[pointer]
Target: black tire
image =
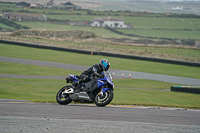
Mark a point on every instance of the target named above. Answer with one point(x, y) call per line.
point(104, 100)
point(63, 99)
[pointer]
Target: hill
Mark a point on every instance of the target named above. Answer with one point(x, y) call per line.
point(156, 6)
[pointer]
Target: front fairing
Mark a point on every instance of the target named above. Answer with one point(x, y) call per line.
point(103, 81)
point(74, 77)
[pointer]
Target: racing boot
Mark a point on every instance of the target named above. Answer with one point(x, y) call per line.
point(76, 87)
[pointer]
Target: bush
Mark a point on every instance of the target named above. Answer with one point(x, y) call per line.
point(189, 42)
point(183, 16)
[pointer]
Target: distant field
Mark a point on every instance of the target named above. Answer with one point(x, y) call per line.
point(147, 22)
point(137, 22)
point(4, 4)
point(108, 12)
point(108, 34)
point(166, 23)
point(32, 10)
point(73, 17)
point(164, 33)
point(5, 26)
point(141, 22)
point(49, 26)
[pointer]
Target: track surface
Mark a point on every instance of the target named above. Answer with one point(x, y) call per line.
point(19, 116)
point(118, 73)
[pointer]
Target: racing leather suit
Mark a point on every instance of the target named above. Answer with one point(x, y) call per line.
point(85, 76)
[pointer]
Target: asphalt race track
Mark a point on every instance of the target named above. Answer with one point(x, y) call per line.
point(20, 116)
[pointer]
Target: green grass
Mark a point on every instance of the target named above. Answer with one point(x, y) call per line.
point(5, 26)
point(5, 4)
point(44, 90)
point(164, 33)
point(156, 98)
point(195, 53)
point(182, 52)
point(87, 60)
point(22, 69)
point(142, 83)
point(170, 52)
point(73, 17)
point(30, 89)
point(166, 23)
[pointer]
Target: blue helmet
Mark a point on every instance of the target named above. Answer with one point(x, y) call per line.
point(104, 64)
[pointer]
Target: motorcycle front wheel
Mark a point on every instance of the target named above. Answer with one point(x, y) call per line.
point(61, 98)
point(103, 100)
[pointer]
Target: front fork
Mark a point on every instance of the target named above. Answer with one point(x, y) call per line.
point(101, 91)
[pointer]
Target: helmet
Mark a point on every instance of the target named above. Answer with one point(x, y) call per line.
point(104, 64)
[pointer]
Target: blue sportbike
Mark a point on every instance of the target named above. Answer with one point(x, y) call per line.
point(98, 90)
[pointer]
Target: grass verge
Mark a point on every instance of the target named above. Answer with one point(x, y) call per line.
point(45, 90)
point(156, 98)
point(23, 69)
point(142, 83)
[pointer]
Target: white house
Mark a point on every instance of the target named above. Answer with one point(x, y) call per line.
point(178, 8)
point(110, 22)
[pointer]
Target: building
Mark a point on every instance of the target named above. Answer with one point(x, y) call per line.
point(69, 6)
point(22, 4)
point(37, 6)
point(50, 4)
point(33, 6)
point(178, 8)
point(110, 22)
point(24, 16)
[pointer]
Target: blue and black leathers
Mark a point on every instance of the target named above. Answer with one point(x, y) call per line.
point(85, 76)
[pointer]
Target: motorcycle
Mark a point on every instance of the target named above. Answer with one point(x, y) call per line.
point(98, 90)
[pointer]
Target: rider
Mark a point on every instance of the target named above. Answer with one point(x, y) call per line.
point(96, 69)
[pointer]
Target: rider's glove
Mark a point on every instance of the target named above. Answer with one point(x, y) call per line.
point(96, 74)
point(101, 76)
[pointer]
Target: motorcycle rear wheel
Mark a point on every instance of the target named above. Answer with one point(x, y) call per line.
point(63, 99)
point(105, 99)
